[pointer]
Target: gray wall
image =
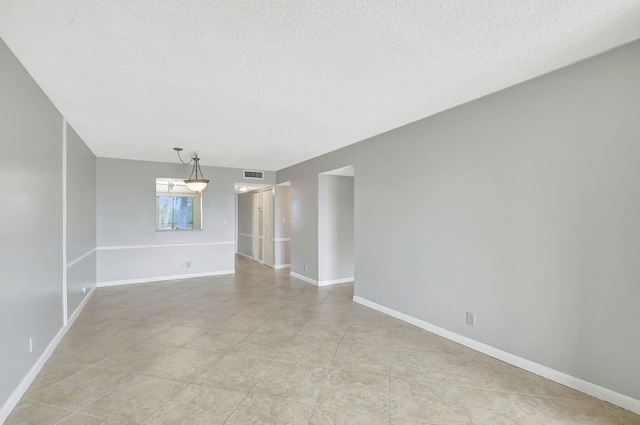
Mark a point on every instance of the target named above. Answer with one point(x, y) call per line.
point(130, 248)
point(81, 220)
point(521, 207)
point(31, 233)
point(245, 210)
point(335, 228)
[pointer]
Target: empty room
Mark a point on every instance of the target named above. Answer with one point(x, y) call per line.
point(320, 212)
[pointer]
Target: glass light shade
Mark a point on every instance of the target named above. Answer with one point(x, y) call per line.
point(197, 185)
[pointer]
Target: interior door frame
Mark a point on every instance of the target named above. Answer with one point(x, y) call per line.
point(255, 227)
point(268, 241)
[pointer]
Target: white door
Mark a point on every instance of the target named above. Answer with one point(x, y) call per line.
point(255, 227)
point(268, 257)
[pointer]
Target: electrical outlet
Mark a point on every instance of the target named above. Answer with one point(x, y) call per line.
point(224, 221)
point(186, 264)
point(31, 344)
point(471, 319)
point(83, 289)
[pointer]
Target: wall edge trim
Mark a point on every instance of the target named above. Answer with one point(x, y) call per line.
point(17, 393)
point(112, 247)
point(245, 255)
point(304, 278)
point(81, 257)
point(586, 387)
point(161, 278)
point(246, 235)
point(336, 281)
point(282, 266)
point(282, 240)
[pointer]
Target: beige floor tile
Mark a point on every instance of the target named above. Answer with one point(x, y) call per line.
point(316, 314)
point(453, 349)
point(416, 340)
point(183, 364)
point(230, 308)
point(217, 340)
point(587, 410)
point(137, 358)
point(53, 372)
point(290, 313)
point(421, 366)
point(291, 381)
point(88, 354)
point(173, 317)
point(197, 405)
point(246, 324)
point(235, 373)
point(205, 320)
point(29, 412)
point(279, 327)
point(312, 353)
point(324, 330)
point(176, 336)
point(430, 402)
point(363, 391)
point(379, 370)
point(322, 415)
point(537, 385)
point(261, 346)
point(270, 411)
point(497, 408)
point(375, 337)
point(82, 388)
point(144, 330)
point(135, 400)
point(492, 374)
point(82, 419)
point(362, 358)
point(259, 310)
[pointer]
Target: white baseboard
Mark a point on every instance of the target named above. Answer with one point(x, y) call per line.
point(17, 394)
point(301, 277)
point(336, 281)
point(162, 278)
point(84, 302)
point(282, 266)
point(245, 255)
point(594, 390)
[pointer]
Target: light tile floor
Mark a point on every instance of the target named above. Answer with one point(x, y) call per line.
point(263, 348)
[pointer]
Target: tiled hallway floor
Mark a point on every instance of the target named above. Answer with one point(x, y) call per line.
point(263, 348)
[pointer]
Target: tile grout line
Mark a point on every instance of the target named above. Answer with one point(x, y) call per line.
point(326, 378)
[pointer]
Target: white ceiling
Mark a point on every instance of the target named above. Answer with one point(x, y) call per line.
point(266, 84)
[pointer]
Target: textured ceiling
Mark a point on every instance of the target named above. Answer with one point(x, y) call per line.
point(266, 84)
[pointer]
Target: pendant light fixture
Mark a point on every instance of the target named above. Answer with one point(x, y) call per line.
point(197, 184)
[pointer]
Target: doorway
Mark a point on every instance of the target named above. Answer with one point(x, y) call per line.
point(336, 226)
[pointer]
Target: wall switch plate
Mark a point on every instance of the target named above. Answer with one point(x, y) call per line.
point(224, 221)
point(284, 220)
point(31, 344)
point(306, 267)
point(471, 319)
point(186, 264)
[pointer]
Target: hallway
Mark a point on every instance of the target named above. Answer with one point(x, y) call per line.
point(260, 347)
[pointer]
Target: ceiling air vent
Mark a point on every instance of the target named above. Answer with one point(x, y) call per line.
point(252, 174)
